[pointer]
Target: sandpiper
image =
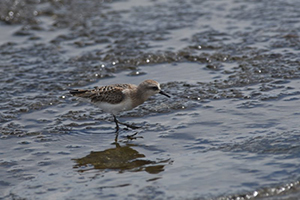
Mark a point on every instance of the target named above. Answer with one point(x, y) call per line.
point(120, 97)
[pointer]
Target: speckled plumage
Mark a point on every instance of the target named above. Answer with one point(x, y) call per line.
point(112, 94)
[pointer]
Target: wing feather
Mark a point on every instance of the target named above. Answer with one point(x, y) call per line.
point(109, 94)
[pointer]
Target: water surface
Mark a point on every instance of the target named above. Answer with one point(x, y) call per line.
point(230, 130)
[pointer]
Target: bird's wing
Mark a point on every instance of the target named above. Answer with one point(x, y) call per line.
point(110, 94)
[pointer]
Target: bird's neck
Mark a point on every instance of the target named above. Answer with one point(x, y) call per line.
point(140, 97)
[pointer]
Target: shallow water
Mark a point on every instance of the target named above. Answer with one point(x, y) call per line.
point(230, 130)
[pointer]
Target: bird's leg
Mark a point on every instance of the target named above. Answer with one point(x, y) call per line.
point(116, 121)
point(125, 124)
point(129, 125)
point(117, 128)
point(131, 137)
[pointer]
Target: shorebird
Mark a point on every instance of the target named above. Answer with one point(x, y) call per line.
point(120, 97)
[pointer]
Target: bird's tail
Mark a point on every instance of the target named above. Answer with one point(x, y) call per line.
point(80, 93)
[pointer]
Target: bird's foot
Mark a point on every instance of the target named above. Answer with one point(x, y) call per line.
point(129, 137)
point(130, 125)
point(133, 136)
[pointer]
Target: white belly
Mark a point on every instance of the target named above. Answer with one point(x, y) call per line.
point(115, 108)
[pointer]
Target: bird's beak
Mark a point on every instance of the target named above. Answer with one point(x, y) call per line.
point(163, 93)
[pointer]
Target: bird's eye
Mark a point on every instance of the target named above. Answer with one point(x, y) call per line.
point(154, 88)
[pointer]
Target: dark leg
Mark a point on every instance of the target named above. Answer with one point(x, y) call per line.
point(117, 128)
point(131, 137)
point(116, 121)
point(128, 125)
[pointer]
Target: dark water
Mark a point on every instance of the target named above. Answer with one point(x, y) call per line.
point(230, 131)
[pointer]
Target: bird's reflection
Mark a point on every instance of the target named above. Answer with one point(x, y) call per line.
point(120, 158)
